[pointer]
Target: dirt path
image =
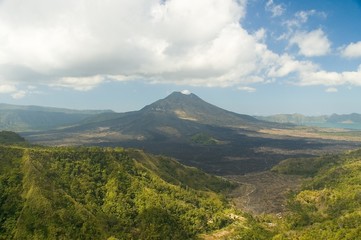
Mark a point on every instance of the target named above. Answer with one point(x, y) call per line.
point(263, 192)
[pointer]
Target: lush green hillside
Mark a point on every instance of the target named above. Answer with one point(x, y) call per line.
point(329, 205)
point(97, 193)
point(308, 167)
point(100, 193)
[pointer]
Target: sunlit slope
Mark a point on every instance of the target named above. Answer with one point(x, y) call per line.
point(96, 193)
point(329, 206)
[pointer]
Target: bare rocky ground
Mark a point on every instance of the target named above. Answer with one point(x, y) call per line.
point(258, 193)
point(263, 192)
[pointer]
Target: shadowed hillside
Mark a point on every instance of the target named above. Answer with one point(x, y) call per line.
point(8, 137)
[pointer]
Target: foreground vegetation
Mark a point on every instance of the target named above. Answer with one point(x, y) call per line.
point(97, 193)
point(116, 193)
point(329, 205)
point(106, 193)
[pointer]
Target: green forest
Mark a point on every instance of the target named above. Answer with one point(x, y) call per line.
point(97, 193)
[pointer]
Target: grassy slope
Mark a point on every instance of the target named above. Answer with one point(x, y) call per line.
point(87, 193)
point(178, 174)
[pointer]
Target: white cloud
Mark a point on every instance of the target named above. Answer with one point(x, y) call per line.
point(353, 50)
point(12, 90)
point(6, 88)
point(303, 16)
point(311, 44)
point(319, 77)
point(275, 9)
point(247, 89)
point(80, 83)
point(260, 35)
point(286, 64)
point(18, 95)
point(299, 21)
point(186, 92)
point(178, 41)
point(81, 44)
point(352, 77)
point(331, 90)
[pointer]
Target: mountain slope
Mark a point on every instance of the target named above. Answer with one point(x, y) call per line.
point(345, 118)
point(191, 107)
point(176, 116)
point(97, 193)
point(8, 137)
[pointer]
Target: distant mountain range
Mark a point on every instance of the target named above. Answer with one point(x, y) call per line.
point(352, 120)
point(32, 118)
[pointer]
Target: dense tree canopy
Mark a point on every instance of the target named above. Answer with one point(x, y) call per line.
point(97, 193)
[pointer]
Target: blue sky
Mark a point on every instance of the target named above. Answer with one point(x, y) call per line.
point(254, 57)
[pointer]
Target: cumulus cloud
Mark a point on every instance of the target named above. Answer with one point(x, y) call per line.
point(12, 90)
point(320, 77)
point(82, 44)
point(311, 44)
point(80, 83)
point(275, 9)
point(286, 64)
point(353, 50)
point(71, 44)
